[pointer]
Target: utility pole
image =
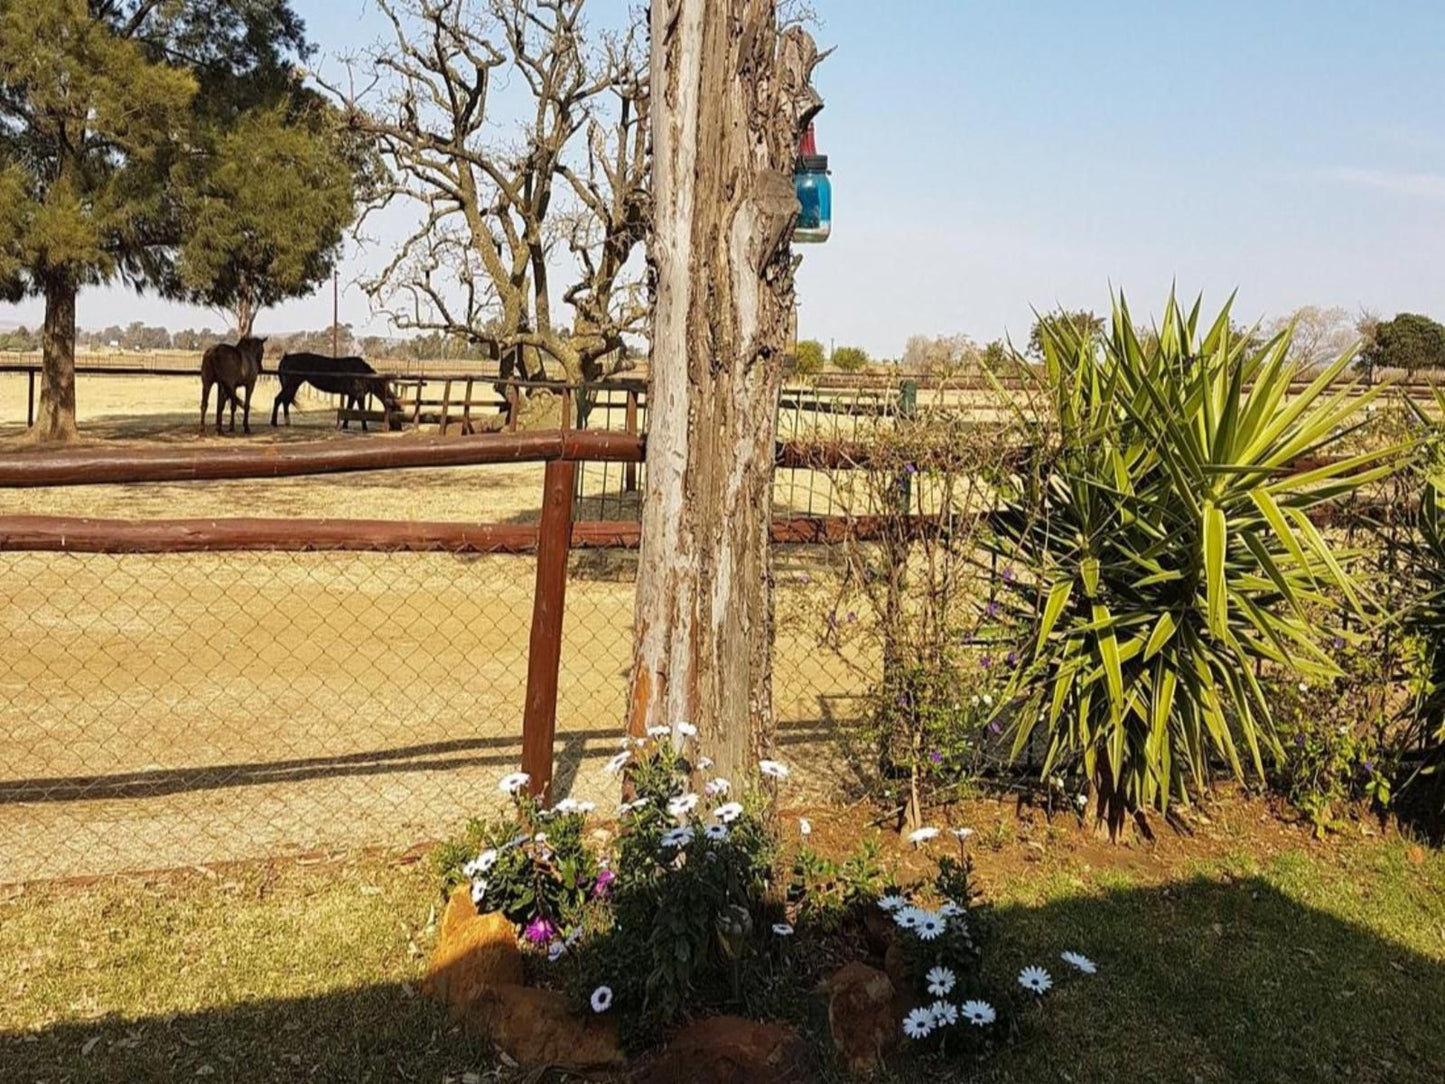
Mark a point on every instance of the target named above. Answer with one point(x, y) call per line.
point(335, 312)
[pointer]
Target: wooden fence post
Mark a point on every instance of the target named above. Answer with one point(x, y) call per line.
point(30, 401)
point(544, 656)
point(629, 484)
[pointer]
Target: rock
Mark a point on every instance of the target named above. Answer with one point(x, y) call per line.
point(472, 951)
point(895, 967)
point(535, 1028)
point(862, 1016)
point(730, 1050)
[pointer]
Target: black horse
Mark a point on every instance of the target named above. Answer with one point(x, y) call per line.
point(350, 377)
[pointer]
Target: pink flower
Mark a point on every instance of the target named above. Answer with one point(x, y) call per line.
point(540, 931)
point(603, 885)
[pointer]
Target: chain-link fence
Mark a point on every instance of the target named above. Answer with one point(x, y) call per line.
point(168, 710)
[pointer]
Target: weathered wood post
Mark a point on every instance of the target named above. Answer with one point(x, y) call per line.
point(731, 94)
point(549, 602)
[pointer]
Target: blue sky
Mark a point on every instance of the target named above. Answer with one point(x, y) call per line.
point(992, 157)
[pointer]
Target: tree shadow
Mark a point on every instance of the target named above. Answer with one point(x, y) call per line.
point(1231, 980)
point(1198, 981)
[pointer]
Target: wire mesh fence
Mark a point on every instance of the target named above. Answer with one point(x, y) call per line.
point(169, 710)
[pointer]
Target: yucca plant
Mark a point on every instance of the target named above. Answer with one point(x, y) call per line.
point(1167, 550)
point(1424, 618)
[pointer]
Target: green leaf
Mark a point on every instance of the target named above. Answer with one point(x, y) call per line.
point(1163, 630)
point(1215, 540)
point(1057, 600)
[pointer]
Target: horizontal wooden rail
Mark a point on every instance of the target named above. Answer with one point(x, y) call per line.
point(68, 534)
point(102, 465)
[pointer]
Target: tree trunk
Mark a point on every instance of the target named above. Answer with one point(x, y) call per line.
point(725, 126)
point(55, 419)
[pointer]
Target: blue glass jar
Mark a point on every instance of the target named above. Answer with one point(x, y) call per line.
point(815, 199)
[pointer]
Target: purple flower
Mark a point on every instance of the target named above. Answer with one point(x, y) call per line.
point(936, 757)
point(852, 617)
point(1368, 765)
point(1008, 574)
point(602, 887)
point(991, 609)
point(803, 577)
point(1012, 658)
point(1337, 643)
point(911, 469)
point(986, 661)
point(1299, 739)
point(996, 727)
point(540, 931)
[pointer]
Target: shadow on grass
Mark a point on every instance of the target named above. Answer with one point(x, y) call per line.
point(1223, 981)
point(1199, 981)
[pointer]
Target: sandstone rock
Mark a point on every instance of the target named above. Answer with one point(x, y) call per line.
point(472, 952)
point(862, 1016)
point(535, 1028)
point(730, 1050)
point(895, 967)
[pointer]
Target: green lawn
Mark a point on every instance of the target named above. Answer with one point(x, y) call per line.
point(1316, 965)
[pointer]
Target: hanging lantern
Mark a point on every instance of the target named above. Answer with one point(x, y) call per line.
point(815, 193)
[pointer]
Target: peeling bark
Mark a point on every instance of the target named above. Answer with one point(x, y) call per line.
point(731, 92)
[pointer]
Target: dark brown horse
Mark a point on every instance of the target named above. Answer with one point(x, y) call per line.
point(233, 368)
point(351, 378)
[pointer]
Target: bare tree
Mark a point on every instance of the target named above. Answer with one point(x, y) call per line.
point(506, 205)
point(733, 94)
point(1320, 335)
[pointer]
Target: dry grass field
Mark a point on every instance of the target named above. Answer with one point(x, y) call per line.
point(161, 711)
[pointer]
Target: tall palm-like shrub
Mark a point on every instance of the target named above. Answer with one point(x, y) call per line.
point(1167, 549)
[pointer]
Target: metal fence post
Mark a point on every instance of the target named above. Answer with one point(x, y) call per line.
point(907, 408)
point(544, 655)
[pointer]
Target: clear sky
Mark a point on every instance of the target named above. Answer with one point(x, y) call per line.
point(990, 157)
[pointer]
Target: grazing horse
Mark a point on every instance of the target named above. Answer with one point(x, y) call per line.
point(233, 368)
point(350, 377)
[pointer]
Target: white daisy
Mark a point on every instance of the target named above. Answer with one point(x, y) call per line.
point(922, 835)
point(687, 730)
point(891, 902)
point(658, 731)
point(962, 833)
point(979, 1013)
point(630, 807)
point(909, 917)
point(945, 1013)
point(805, 827)
point(617, 763)
point(602, 999)
point(782, 929)
point(568, 805)
point(1035, 980)
point(929, 926)
point(950, 910)
point(717, 786)
point(481, 863)
point(729, 812)
point(479, 890)
point(716, 831)
point(940, 981)
point(513, 783)
point(773, 769)
point(677, 837)
point(987, 700)
point(1080, 961)
point(555, 950)
point(682, 805)
point(1081, 800)
point(919, 1023)
point(704, 763)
